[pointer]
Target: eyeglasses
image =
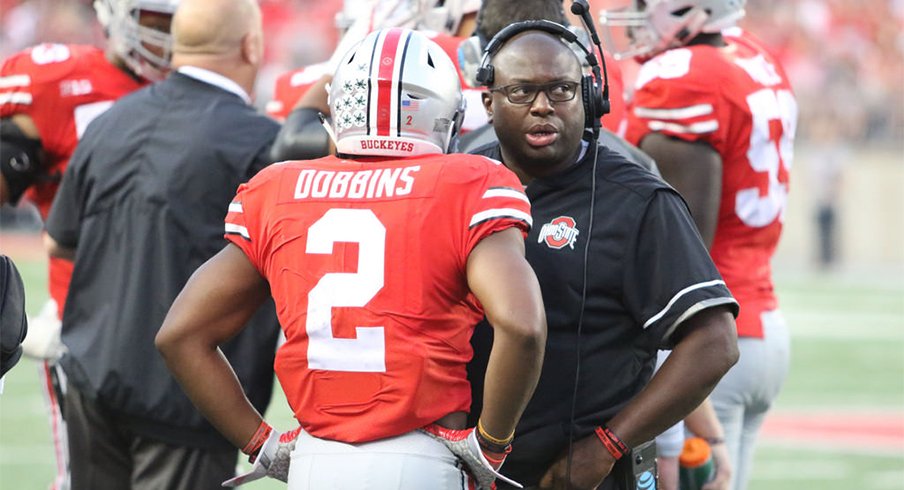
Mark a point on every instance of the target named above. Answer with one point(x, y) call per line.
point(526, 93)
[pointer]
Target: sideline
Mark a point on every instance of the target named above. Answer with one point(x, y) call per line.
point(858, 431)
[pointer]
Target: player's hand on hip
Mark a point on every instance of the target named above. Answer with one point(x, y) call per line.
point(271, 460)
point(590, 465)
point(482, 462)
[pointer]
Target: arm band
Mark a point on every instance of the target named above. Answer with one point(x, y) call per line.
point(302, 137)
point(492, 443)
point(19, 159)
point(616, 447)
point(258, 439)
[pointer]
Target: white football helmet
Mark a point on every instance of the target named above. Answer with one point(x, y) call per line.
point(146, 51)
point(446, 15)
point(395, 94)
point(653, 26)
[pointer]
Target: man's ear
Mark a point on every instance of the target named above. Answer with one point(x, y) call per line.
point(252, 48)
point(487, 99)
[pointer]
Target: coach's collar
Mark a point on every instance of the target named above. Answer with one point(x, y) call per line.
point(215, 79)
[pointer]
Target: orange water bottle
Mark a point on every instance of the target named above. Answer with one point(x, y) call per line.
point(696, 464)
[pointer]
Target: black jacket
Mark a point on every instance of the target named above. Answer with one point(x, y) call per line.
point(143, 202)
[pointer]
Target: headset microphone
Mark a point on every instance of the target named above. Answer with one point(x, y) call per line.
point(582, 9)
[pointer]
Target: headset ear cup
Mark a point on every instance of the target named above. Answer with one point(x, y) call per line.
point(595, 106)
point(587, 94)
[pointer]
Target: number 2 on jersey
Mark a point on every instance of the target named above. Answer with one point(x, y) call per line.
point(366, 352)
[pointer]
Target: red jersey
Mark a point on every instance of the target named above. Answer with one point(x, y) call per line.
point(738, 100)
point(62, 88)
point(291, 86)
point(366, 263)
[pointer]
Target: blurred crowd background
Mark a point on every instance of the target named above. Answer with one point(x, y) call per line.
point(845, 59)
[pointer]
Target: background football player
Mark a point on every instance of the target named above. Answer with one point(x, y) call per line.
point(715, 110)
point(48, 95)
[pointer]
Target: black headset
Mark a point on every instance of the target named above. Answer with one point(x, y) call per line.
point(595, 99)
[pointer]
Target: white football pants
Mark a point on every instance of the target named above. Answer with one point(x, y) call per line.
point(412, 461)
point(744, 396)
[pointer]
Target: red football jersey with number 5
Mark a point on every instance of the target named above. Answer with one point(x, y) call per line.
point(738, 100)
point(366, 262)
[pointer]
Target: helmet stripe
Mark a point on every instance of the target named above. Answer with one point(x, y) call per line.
point(386, 78)
point(398, 76)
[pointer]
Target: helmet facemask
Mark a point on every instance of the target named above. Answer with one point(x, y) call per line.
point(134, 29)
point(650, 27)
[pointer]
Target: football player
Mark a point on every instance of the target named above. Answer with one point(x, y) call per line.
point(715, 109)
point(381, 261)
point(48, 95)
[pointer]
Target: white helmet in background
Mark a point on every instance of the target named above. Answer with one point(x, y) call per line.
point(145, 50)
point(446, 15)
point(653, 26)
point(443, 16)
point(395, 94)
point(358, 18)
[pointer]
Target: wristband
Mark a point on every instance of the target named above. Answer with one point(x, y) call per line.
point(496, 458)
point(616, 447)
point(497, 445)
point(257, 440)
point(714, 441)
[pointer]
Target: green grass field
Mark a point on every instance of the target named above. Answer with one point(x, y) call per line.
point(847, 362)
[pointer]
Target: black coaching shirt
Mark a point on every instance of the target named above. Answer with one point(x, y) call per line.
point(647, 271)
point(143, 202)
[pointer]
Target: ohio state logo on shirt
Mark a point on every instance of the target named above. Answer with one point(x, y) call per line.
point(559, 232)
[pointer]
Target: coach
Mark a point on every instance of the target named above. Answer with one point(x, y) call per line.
point(140, 207)
point(622, 270)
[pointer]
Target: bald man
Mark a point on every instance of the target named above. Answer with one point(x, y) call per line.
point(221, 36)
point(140, 207)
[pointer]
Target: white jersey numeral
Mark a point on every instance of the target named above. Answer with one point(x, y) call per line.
point(86, 113)
point(771, 146)
point(44, 54)
point(366, 352)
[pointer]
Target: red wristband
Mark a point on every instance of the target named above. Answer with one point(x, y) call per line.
point(258, 439)
point(616, 447)
point(496, 458)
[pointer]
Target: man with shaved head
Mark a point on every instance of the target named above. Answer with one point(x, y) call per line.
point(622, 271)
point(140, 207)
